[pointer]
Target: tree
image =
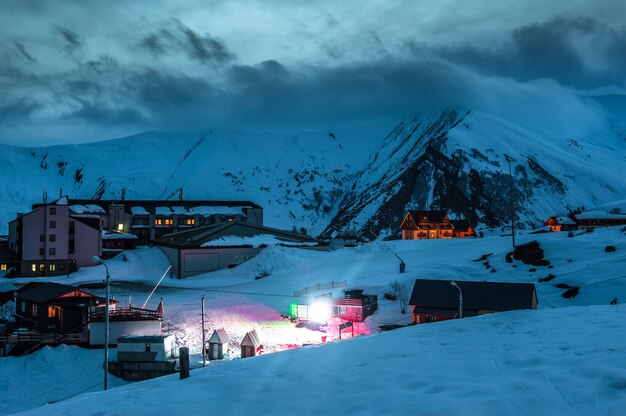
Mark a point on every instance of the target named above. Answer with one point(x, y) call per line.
point(403, 297)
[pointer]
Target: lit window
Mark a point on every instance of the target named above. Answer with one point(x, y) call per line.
point(3, 267)
point(191, 221)
point(168, 221)
point(120, 227)
point(53, 267)
point(33, 267)
point(52, 311)
point(42, 267)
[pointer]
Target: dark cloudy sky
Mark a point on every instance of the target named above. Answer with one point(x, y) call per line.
point(73, 71)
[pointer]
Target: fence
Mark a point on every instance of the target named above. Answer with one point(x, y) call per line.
point(320, 286)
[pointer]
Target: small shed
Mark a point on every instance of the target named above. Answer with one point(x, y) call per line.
point(251, 345)
point(218, 344)
point(145, 348)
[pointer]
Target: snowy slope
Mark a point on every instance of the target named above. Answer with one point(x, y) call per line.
point(363, 178)
point(456, 160)
point(298, 173)
point(551, 362)
point(236, 301)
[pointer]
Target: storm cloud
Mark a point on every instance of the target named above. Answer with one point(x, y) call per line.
point(98, 72)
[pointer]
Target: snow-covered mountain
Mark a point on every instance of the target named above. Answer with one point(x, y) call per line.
point(363, 178)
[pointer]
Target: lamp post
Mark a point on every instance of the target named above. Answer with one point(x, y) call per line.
point(107, 281)
point(509, 159)
point(453, 283)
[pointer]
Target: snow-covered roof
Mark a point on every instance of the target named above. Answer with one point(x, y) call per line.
point(61, 201)
point(218, 210)
point(180, 210)
point(116, 235)
point(138, 211)
point(599, 215)
point(163, 211)
point(565, 220)
point(254, 241)
point(219, 336)
point(87, 209)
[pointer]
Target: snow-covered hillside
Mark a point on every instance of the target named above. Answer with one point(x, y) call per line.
point(363, 178)
point(568, 342)
point(551, 362)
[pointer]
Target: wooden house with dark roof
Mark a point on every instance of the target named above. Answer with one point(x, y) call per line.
point(54, 308)
point(206, 249)
point(432, 224)
point(438, 300)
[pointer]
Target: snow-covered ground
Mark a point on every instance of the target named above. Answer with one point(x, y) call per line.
point(550, 362)
point(544, 342)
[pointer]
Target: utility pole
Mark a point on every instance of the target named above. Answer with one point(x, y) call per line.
point(509, 159)
point(107, 284)
point(460, 299)
point(203, 337)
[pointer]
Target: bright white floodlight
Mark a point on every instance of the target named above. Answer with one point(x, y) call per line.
point(319, 312)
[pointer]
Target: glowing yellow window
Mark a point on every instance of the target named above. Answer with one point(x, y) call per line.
point(33, 267)
point(42, 267)
point(52, 267)
point(52, 311)
point(3, 267)
point(120, 227)
point(158, 221)
point(168, 221)
point(191, 221)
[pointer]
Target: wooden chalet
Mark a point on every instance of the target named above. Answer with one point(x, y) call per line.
point(557, 224)
point(54, 308)
point(438, 300)
point(251, 345)
point(218, 344)
point(432, 224)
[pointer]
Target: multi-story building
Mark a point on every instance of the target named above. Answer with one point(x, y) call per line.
point(58, 237)
point(50, 240)
point(150, 219)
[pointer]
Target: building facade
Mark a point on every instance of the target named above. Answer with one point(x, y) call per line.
point(57, 238)
point(425, 224)
point(50, 240)
point(585, 220)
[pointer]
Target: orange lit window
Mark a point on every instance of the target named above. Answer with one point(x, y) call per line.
point(53, 311)
point(3, 267)
point(168, 221)
point(158, 221)
point(191, 221)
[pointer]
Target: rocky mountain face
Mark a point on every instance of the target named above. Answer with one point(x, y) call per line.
point(458, 161)
point(348, 180)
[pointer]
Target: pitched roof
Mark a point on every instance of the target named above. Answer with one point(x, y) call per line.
point(463, 224)
point(234, 232)
point(251, 339)
point(432, 216)
point(219, 336)
point(43, 292)
point(493, 296)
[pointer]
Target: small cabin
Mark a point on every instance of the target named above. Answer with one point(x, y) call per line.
point(557, 224)
point(55, 308)
point(251, 345)
point(151, 348)
point(218, 344)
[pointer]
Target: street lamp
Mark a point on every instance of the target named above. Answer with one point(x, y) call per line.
point(107, 283)
point(453, 283)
